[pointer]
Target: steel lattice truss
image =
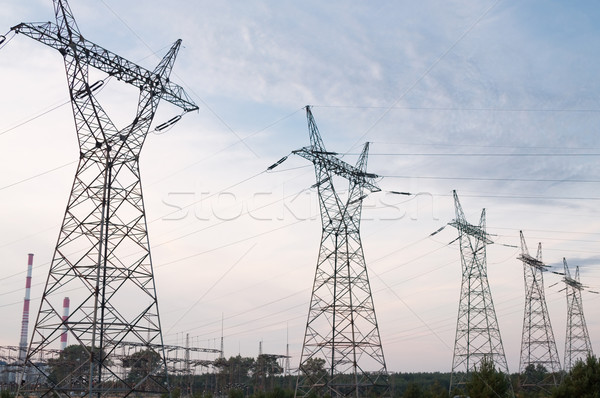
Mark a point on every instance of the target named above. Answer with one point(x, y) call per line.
point(477, 331)
point(539, 365)
point(341, 331)
point(177, 358)
point(577, 344)
point(102, 256)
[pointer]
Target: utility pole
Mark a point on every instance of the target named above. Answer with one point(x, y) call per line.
point(102, 257)
point(577, 344)
point(539, 366)
point(477, 332)
point(342, 335)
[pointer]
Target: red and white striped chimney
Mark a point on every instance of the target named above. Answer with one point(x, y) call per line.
point(63, 336)
point(25, 321)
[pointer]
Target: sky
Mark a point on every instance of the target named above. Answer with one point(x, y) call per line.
point(494, 99)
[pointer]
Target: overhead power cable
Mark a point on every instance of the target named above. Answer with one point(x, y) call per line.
point(35, 117)
point(429, 69)
point(190, 89)
point(211, 287)
point(5, 39)
point(454, 109)
point(489, 154)
point(523, 197)
point(566, 180)
point(37, 175)
point(228, 244)
point(520, 147)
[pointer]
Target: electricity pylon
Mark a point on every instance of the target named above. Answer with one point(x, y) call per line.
point(102, 257)
point(342, 353)
point(577, 344)
point(539, 366)
point(477, 332)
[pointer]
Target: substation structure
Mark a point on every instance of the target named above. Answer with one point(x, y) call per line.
point(102, 256)
point(477, 331)
point(183, 362)
point(342, 353)
point(539, 365)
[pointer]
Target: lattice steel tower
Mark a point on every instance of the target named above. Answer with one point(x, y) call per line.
point(477, 331)
point(577, 344)
point(341, 331)
point(539, 366)
point(102, 256)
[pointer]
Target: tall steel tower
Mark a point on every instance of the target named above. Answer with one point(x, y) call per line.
point(477, 331)
point(102, 257)
point(539, 366)
point(342, 353)
point(577, 344)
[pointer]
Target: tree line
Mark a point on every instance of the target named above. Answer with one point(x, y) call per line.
point(263, 377)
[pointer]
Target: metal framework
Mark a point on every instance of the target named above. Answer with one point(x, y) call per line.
point(477, 330)
point(342, 353)
point(181, 361)
point(577, 344)
point(102, 256)
point(539, 366)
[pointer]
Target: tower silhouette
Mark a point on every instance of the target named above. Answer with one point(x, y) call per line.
point(577, 343)
point(539, 366)
point(477, 331)
point(342, 353)
point(102, 256)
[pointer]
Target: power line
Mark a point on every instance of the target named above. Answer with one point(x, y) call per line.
point(561, 180)
point(453, 109)
point(219, 118)
point(228, 244)
point(439, 144)
point(470, 154)
point(522, 197)
point(35, 117)
point(429, 69)
point(37, 175)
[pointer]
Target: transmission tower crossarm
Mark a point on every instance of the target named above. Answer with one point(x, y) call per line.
point(472, 230)
point(532, 261)
point(464, 227)
point(570, 281)
point(109, 62)
point(328, 161)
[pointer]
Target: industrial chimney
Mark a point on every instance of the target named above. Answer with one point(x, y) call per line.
point(63, 336)
point(25, 321)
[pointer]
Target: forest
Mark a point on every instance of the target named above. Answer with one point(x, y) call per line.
point(263, 377)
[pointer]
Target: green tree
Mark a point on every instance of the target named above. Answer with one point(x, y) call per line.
point(583, 381)
point(436, 390)
point(486, 381)
point(233, 373)
point(235, 393)
point(413, 390)
point(265, 368)
point(142, 364)
point(314, 370)
point(72, 366)
point(6, 394)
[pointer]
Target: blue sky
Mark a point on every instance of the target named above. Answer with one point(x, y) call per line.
point(497, 100)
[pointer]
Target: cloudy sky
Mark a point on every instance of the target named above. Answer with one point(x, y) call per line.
point(496, 99)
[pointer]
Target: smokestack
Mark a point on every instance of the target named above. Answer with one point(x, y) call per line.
point(63, 336)
point(25, 321)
